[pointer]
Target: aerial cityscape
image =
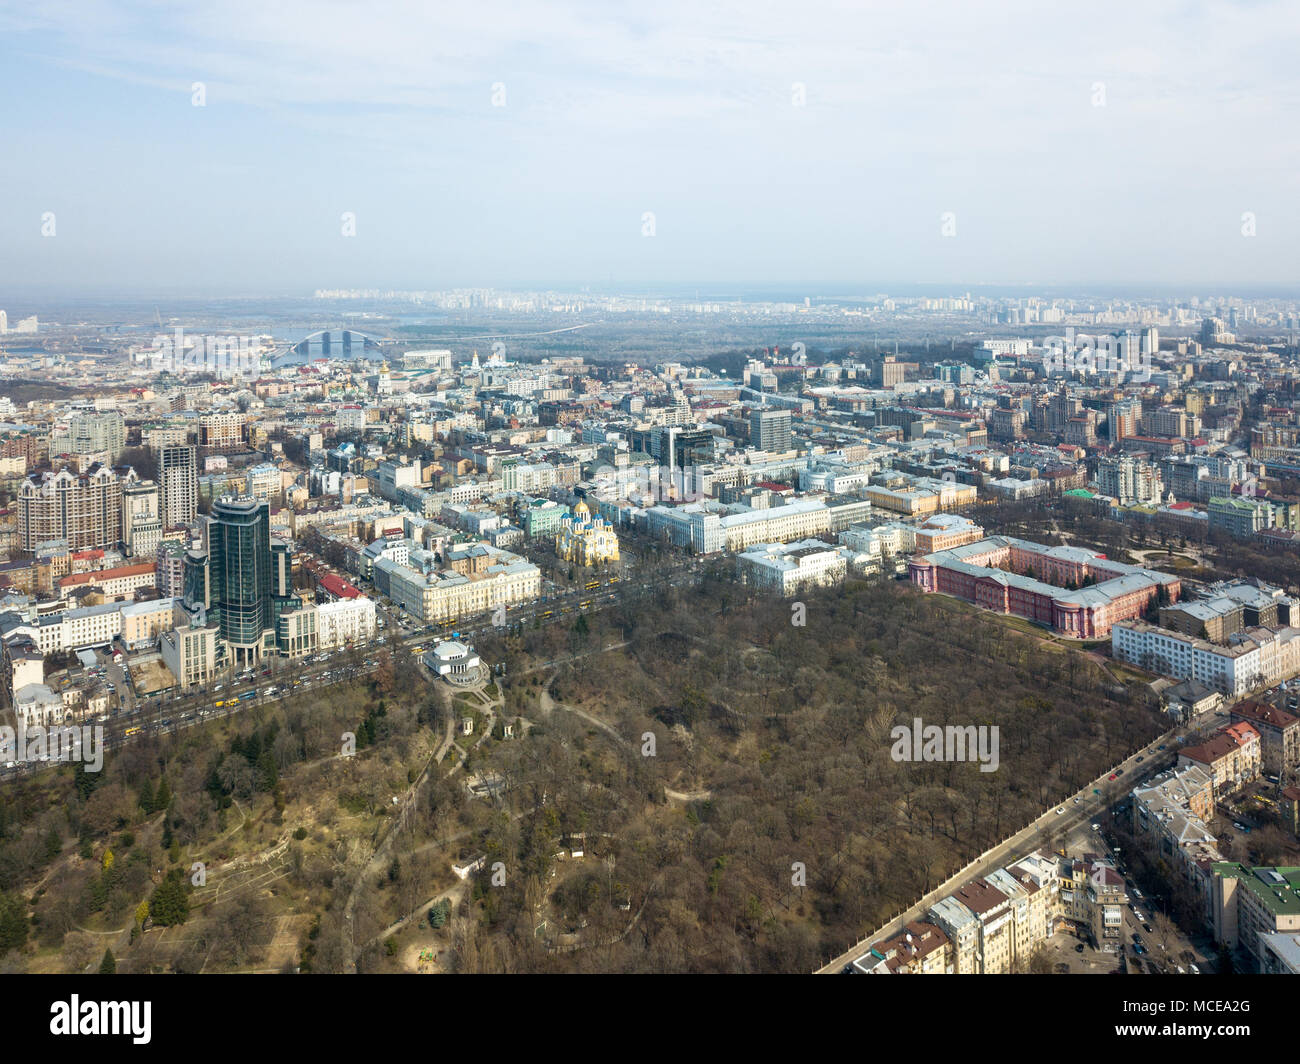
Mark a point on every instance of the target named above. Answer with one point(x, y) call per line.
point(382, 608)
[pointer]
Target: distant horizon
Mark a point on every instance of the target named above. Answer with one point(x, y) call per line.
point(703, 291)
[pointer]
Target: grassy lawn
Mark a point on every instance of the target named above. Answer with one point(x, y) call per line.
point(1011, 621)
point(1128, 673)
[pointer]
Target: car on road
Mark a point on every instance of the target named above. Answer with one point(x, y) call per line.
point(1161, 746)
point(1077, 799)
point(1096, 827)
point(1078, 948)
point(1193, 969)
point(1114, 775)
point(1137, 894)
point(1140, 760)
point(1148, 929)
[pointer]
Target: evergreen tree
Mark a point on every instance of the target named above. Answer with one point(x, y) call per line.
point(108, 966)
point(163, 799)
point(84, 781)
point(267, 774)
point(146, 796)
point(13, 923)
point(170, 904)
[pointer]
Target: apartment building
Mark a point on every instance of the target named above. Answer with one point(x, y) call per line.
point(1279, 953)
point(1279, 734)
point(84, 509)
point(345, 620)
point(178, 470)
point(1132, 481)
point(263, 481)
point(90, 432)
point(921, 948)
point(141, 519)
point(1256, 657)
point(1170, 814)
point(997, 934)
point(221, 432)
point(1249, 903)
point(962, 927)
point(169, 568)
point(1231, 757)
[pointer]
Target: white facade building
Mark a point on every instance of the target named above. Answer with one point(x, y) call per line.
point(345, 620)
point(786, 568)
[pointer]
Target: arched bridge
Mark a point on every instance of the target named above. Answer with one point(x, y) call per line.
point(343, 343)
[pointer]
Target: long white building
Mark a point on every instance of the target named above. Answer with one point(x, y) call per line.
point(1256, 657)
point(785, 568)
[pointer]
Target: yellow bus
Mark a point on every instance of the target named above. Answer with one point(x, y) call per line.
point(130, 731)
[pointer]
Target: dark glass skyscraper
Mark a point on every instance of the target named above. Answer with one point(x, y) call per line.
point(240, 574)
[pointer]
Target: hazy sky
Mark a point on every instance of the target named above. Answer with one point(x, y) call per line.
point(683, 108)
